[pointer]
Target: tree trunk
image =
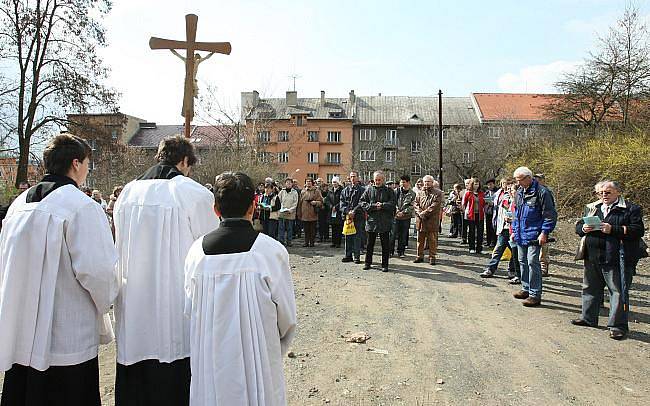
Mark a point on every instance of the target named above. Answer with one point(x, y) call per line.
point(23, 161)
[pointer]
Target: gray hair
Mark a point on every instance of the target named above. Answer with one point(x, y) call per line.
point(523, 171)
point(379, 173)
point(425, 177)
point(336, 179)
point(613, 183)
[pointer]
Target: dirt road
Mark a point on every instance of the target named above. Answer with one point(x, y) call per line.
point(442, 335)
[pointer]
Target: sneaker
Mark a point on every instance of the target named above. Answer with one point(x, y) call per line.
point(346, 259)
point(487, 274)
point(401, 255)
point(472, 251)
point(514, 281)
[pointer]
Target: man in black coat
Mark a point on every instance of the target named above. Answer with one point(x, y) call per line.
point(379, 202)
point(611, 253)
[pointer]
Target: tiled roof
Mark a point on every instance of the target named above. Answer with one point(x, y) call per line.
point(277, 108)
point(513, 106)
point(201, 136)
point(407, 110)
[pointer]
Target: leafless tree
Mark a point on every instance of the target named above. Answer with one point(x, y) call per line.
point(50, 50)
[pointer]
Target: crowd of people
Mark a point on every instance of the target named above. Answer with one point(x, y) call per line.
point(199, 277)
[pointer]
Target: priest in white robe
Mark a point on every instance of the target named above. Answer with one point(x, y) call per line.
point(57, 282)
point(242, 306)
point(157, 218)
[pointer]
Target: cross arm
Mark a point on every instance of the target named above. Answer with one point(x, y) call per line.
point(217, 47)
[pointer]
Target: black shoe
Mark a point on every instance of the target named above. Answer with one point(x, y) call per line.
point(384, 269)
point(346, 259)
point(366, 267)
point(581, 322)
point(418, 260)
point(357, 261)
point(617, 334)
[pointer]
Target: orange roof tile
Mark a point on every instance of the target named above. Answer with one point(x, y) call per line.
point(513, 106)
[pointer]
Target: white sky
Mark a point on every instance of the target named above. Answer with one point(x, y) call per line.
point(396, 48)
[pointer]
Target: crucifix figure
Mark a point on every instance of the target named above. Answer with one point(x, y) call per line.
point(192, 61)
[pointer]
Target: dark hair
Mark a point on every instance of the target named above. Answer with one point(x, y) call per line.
point(490, 180)
point(405, 178)
point(233, 194)
point(173, 150)
point(62, 150)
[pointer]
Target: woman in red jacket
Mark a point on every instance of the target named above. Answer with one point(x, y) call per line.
point(474, 213)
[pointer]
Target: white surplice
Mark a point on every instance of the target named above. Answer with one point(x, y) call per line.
point(156, 222)
point(243, 315)
point(57, 280)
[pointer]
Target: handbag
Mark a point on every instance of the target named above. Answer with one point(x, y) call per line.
point(348, 227)
point(580, 252)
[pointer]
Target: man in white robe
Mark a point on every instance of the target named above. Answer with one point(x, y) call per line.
point(57, 282)
point(157, 218)
point(242, 306)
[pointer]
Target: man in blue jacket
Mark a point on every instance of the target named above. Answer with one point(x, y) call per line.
point(535, 218)
point(350, 207)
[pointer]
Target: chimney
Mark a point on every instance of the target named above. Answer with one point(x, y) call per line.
point(353, 98)
point(292, 98)
point(322, 97)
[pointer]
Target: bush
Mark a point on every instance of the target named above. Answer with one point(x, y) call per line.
point(573, 166)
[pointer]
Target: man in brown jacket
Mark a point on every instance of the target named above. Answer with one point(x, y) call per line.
point(428, 203)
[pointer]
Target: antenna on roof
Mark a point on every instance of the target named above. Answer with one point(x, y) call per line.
point(294, 77)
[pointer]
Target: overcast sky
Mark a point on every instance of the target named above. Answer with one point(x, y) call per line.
point(401, 48)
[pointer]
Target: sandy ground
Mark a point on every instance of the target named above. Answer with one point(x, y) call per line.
point(442, 335)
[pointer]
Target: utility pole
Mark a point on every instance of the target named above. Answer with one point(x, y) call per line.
point(440, 139)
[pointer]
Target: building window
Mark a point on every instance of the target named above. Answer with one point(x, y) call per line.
point(391, 137)
point(469, 157)
point(281, 177)
point(333, 136)
point(334, 157)
point(283, 157)
point(114, 134)
point(390, 156)
point(471, 136)
point(368, 175)
point(367, 155)
point(312, 176)
point(416, 146)
point(416, 170)
point(264, 156)
point(312, 136)
point(264, 136)
point(331, 176)
point(445, 134)
point(390, 176)
point(529, 131)
point(283, 136)
point(299, 121)
point(93, 145)
point(312, 157)
point(495, 132)
point(367, 134)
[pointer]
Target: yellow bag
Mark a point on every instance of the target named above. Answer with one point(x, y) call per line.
point(507, 254)
point(348, 227)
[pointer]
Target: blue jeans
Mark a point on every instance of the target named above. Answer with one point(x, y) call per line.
point(353, 242)
point(531, 270)
point(270, 228)
point(401, 235)
point(285, 226)
point(502, 244)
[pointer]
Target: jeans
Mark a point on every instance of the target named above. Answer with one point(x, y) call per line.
point(456, 225)
point(401, 235)
point(384, 238)
point(353, 242)
point(502, 244)
point(596, 277)
point(285, 226)
point(270, 228)
point(531, 270)
point(513, 266)
point(475, 234)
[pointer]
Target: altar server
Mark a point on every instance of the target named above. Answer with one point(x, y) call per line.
point(57, 282)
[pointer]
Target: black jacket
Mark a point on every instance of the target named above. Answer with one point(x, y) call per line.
point(333, 200)
point(379, 220)
point(604, 248)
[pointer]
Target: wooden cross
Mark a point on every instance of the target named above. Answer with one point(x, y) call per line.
point(190, 45)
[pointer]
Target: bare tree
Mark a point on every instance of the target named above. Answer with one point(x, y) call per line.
point(50, 49)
